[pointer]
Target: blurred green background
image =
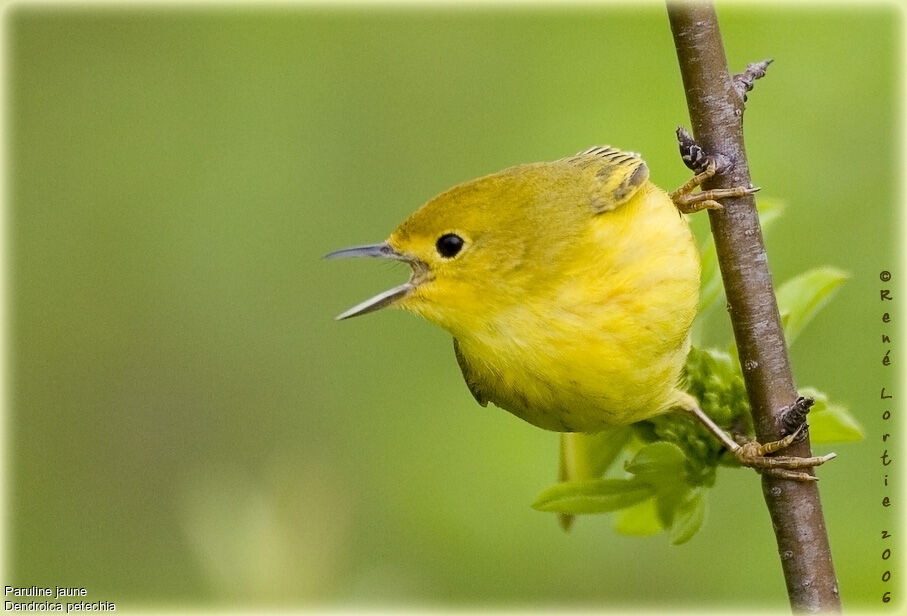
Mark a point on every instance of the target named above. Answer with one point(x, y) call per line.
point(188, 426)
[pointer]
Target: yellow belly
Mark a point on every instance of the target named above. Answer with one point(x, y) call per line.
point(604, 342)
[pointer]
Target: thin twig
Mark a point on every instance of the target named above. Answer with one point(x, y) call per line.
point(716, 113)
point(743, 82)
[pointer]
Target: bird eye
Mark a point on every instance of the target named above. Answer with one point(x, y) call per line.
point(449, 245)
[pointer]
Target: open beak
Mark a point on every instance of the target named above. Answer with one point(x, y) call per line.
point(383, 251)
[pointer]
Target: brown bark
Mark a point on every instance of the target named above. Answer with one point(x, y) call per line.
point(716, 113)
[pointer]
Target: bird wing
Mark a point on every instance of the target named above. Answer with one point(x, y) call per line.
point(469, 376)
point(617, 175)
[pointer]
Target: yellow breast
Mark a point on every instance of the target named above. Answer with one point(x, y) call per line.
point(602, 340)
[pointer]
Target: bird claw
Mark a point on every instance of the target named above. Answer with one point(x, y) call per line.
point(758, 456)
point(688, 202)
point(704, 166)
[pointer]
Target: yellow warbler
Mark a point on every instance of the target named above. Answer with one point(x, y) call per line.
point(569, 288)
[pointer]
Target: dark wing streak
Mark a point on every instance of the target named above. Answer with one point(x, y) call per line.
point(481, 398)
point(618, 174)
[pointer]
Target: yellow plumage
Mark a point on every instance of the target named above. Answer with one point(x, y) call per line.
point(571, 298)
point(569, 288)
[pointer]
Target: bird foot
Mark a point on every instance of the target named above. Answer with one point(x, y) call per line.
point(758, 456)
point(704, 166)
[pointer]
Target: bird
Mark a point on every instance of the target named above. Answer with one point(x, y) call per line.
point(569, 288)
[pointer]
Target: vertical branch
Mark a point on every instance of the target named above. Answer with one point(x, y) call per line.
point(716, 113)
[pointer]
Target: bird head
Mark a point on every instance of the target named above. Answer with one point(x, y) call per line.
point(480, 246)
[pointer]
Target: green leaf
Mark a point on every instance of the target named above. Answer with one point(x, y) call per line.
point(664, 465)
point(659, 462)
point(829, 422)
point(688, 518)
point(668, 500)
point(801, 297)
point(639, 520)
point(594, 496)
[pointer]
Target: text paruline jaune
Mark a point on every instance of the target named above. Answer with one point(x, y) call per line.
point(52, 599)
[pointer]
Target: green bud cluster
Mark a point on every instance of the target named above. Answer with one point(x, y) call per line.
point(714, 379)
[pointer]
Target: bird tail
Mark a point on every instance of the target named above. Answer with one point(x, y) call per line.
point(588, 456)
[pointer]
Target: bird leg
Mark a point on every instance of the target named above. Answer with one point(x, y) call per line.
point(704, 166)
point(758, 456)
